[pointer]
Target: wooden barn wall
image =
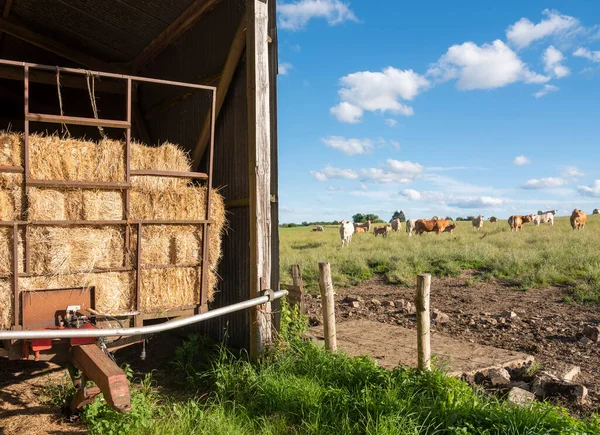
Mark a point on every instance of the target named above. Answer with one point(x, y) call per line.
point(200, 53)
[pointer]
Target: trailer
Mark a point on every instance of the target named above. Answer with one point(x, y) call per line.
point(199, 73)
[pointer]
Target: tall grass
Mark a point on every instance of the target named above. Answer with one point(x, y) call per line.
point(535, 257)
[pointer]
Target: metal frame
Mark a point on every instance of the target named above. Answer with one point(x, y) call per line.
point(125, 186)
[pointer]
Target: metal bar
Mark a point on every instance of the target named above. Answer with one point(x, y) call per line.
point(142, 330)
point(168, 266)
point(80, 184)
point(175, 174)
point(15, 274)
point(77, 120)
point(105, 74)
point(138, 273)
point(26, 164)
point(127, 173)
point(114, 269)
point(105, 223)
point(12, 169)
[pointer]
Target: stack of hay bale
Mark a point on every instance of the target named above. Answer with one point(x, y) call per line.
point(63, 256)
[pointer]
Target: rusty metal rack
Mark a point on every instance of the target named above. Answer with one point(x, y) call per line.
point(124, 186)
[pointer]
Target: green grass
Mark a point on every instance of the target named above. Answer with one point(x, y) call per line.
point(536, 257)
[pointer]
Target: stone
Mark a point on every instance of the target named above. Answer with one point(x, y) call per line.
point(569, 373)
point(355, 304)
point(519, 396)
point(440, 317)
point(492, 321)
point(499, 376)
point(509, 314)
point(519, 384)
point(592, 332)
point(375, 302)
point(388, 304)
point(546, 385)
point(348, 300)
point(406, 306)
point(585, 340)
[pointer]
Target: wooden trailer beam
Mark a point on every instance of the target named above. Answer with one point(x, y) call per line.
point(259, 170)
point(172, 33)
point(233, 59)
point(103, 371)
point(25, 34)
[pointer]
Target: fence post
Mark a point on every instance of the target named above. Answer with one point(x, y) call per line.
point(297, 282)
point(423, 321)
point(328, 306)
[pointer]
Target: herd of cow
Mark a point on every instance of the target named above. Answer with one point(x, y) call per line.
point(437, 225)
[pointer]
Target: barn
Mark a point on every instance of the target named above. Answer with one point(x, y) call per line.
point(231, 45)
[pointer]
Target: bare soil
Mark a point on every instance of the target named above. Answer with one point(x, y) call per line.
point(546, 327)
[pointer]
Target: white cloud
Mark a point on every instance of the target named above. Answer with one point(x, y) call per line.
point(594, 56)
point(524, 32)
point(395, 144)
point(404, 167)
point(287, 209)
point(346, 112)
point(487, 66)
point(335, 189)
point(391, 122)
point(349, 146)
point(284, 68)
point(394, 171)
point(593, 190)
point(378, 91)
point(478, 202)
point(521, 160)
point(552, 58)
point(294, 16)
point(411, 194)
point(363, 186)
point(572, 173)
point(545, 91)
point(544, 183)
point(329, 172)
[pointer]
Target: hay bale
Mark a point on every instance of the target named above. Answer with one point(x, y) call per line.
point(11, 146)
point(170, 288)
point(6, 250)
point(61, 250)
point(102, 205)
point(11, 204)
point(46, 204)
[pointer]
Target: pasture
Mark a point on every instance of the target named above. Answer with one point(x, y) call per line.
point(534, 257)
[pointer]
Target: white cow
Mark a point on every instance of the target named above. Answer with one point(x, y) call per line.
point(546, 218)
point(396, 225)
point(410, 226)
point(546, 212)
point(346, 231)
point(477, 222)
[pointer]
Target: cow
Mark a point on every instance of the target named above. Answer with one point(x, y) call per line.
point(384, 230)
point(546, 212)
point(546, 218)
point(410, 226)
point(578, 219)
point(596, 211)
point(429, 225)
point(396, 225)
point(319, 229)
point(450, 228)
point(516, 221)
point(493, 220)
point(477, 223)
point(346, 231)
point(360, 230)
point(366, 225)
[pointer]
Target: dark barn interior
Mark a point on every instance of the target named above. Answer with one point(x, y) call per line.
point(201, 42)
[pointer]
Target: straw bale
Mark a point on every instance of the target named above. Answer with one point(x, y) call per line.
point(166, 157)
point(11, 204)
point(61, 250)
point(11, 145)
point(6, 250)
point(102, 205)
point(46, 204)
point(6, 303)
point(169, 288)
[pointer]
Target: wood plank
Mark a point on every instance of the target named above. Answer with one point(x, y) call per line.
point(6, 12)
point(79, 184)
point(173, 32)
point(175, 174)
point(25, 34)
point(259, 162)
point(103, 371)
point(233, 59)
point(77, 120)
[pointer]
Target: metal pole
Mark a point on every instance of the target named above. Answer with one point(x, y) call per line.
point(152, 329)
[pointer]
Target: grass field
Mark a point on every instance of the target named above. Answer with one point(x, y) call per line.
point(535, 257)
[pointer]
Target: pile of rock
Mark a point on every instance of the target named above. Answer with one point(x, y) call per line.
point(524, 384)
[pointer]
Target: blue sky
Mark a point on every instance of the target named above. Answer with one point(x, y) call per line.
point(437, 109)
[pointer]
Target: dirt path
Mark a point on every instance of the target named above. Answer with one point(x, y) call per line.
point(545, 326)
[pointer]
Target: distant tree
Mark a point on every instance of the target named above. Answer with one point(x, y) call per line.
point(305, 224)
point(373, 218)
point(449, 218)
point(469, 218)
point(358, 218)
point(398, 214)
point(460, 219)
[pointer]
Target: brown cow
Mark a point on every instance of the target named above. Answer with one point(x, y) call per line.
point(578, 219)
point(360, 230)
point(493, 220)
point(429, 225)
point(384, 230)
point(366, 225)
point(450, 228)
point(516, 222)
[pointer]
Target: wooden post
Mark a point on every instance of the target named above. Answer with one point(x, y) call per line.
point(297, 282)
point(328, 306)
point(259, 169)
point(423, 321)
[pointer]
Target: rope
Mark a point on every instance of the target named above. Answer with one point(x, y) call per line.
point(92, 94)
point(64, 128)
